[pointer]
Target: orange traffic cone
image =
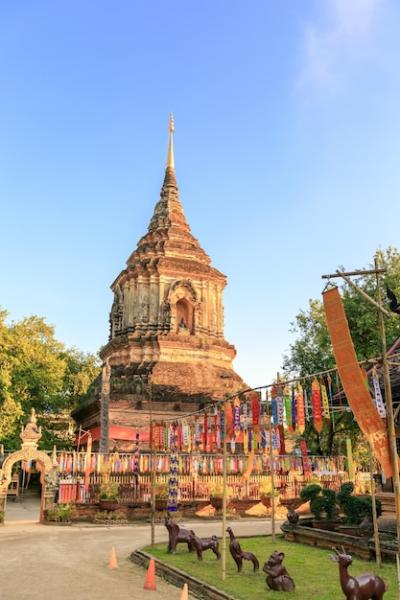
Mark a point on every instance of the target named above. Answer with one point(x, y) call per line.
point(113, 563)
point(185, 592)
point(150, 583)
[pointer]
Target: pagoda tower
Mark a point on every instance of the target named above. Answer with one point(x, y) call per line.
point(166, 343)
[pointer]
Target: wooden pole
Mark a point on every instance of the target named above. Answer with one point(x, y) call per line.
point(271, 458)
point(224, 459)
point(350, 463)
point(390, 419)
point(152, 469)
point(374, 513)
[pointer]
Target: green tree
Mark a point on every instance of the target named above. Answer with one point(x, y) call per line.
point(37, 371)
point(311, 352)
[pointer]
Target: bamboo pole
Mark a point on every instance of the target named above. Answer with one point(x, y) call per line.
point(350, 462)
point(390, 419)
point(152, 469)
point(271, 457)
point(224, 459)
point(374, 513)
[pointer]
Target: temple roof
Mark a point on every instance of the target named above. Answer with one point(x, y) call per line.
point(169, 234)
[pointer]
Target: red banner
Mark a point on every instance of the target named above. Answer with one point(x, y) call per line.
point(353, 381)
point(316, 405)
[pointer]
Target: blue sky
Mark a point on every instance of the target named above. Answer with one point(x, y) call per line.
point(287, 146)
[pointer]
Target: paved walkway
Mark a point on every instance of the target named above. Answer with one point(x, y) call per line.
point(23, 510)
point(41, 562)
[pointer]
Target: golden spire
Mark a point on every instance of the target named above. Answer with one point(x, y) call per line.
point(170, 156)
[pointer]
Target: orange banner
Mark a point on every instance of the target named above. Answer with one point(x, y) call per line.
point(351, 375)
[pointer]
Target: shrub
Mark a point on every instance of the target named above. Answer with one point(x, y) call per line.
point(60, 513)
point(330, 503)
point(111, 516)
point(109, 491)
point(356, 508)
point(321, 500)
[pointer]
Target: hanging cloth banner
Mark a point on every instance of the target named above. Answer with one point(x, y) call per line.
point(288, 406)
point(173, 483)
point(88, 462)
point(306, 410)
point(205, 432)
point(250, 465)
point(281, 408)
point(301, 422)
point(329, 378)
point(282, 449)
point(229, 419)
point(316, 405)
point(325, 402)
point(380, 405)
point(358, 396)
point(294, 408)
point(275, 440)
point(274, 406)
point(236, 415)
point(306, 460)
point(255, 410)
point(222, 426)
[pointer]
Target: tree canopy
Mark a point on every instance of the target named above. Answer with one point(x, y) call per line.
point(38, 371)
point(311, 352)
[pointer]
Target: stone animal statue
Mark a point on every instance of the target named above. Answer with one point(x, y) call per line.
point(363, 587)
point(177, 535)
point(278, 579)
point(239, 555)
point(292, 516)
point(202, 544)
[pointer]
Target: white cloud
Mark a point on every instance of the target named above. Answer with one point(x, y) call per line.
point(328, 49)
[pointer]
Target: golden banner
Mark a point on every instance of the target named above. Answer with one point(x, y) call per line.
point(353, 381)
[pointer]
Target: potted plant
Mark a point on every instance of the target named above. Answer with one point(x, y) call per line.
point(161, 497)
point(216, 491)
point(109, 499)
point(265, 492)
point(322, 506)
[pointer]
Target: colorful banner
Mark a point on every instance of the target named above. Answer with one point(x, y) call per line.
point(288, 406)
point(301, 421)
point(306, 460)
point(173, 483)
point(352, 378)
point(380, 405)
point(316, 405)
point(325, 402)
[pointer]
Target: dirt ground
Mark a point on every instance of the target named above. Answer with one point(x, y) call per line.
point(40, 562)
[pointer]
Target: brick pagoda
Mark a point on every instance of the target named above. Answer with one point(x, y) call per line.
point(166, 330)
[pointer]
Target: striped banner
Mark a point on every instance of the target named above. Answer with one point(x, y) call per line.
point(357, 393)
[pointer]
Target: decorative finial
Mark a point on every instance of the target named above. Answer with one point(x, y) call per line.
point(170, 156)
point(32, 418)
point(171, 123)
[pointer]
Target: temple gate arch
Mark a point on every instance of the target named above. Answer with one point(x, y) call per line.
point(30, 435)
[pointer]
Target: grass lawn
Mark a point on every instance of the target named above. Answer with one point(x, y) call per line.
point(316, 577)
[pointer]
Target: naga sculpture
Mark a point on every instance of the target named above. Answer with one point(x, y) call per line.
point(177, 535)
point(363, 587)
point(239, 555)
point(201, 544)
point(278, 578)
